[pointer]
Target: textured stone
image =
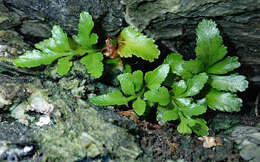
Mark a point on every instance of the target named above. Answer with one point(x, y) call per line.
point(87, 134)
point(36, 29)
point(108, 15)
point(8, 19)
point(248, 140)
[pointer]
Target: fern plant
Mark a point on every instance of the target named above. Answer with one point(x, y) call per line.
point(62, 48)
point(182, 90)
point(211, 59)
point(179, 89)
point(135, 85)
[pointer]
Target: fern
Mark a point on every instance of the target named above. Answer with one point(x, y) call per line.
point(60, 47)
point(175, 86)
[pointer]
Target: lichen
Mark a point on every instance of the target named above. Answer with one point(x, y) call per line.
point(85, 134)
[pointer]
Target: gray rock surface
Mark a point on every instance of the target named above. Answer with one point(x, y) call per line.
point(108, 15)
point(15, 141)
point(248, 140)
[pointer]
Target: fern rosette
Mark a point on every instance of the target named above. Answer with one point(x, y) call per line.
point(182, 90)
point(62, 48)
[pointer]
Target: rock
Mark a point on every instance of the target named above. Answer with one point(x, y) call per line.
point(44, 120)
point(12, 45)
point(108, 15)
point(251, 66)
point(91, 144)
point(13, 154)
point(38, 102)
point(15, 141)
point(19, 113)
point(8, 19)
point(10, 89)
point(159, 18)
point(36, 29)
point(173, 24)
point(166, 21)
point(248, 140)
point(224, 122)
point(87, 134)
point(15, 133)
point(221, 152)
point(61, 125)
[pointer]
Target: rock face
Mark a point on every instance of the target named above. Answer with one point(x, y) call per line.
point(87, 134)
point(248, 140)
point(166, 20)
point(108, 15)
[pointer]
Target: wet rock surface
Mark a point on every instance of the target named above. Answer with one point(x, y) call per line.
point(248, 140)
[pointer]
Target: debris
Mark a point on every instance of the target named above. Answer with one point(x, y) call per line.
point(209, 142)
point(44, 120)
point(38, 102)
point(129, 114)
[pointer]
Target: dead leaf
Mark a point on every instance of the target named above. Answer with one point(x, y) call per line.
point(129, 114)
point(173, 146)
point(111, 49)
point(209, 142)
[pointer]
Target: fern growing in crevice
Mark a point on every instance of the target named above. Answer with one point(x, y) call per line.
point(62, 48)
point(180, 96)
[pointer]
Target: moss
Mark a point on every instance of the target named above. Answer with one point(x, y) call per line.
point(85, 134)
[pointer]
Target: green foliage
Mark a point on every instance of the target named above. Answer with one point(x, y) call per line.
point(184, 107)
point(60, 47)
point(139, 106)
point(209, 48)
point(195, 84)
point(85, 38)
point(206, 70)
point(140, 89)
point(182, 90)
point(225, 66)
point(160, 95)
point(93, 62)
point(132, 42)
point(113, 98)
point(155, 78)
point(232, 83)
point(210, 52)
point(64, 65)
point(223, 101)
